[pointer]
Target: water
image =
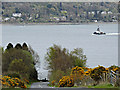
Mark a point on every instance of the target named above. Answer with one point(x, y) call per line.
point(99, 49)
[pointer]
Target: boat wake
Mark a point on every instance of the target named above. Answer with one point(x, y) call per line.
point(108, 34)
point(112, 34)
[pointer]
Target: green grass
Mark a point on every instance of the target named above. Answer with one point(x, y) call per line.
point(103, 86)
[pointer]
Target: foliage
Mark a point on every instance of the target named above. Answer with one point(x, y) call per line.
point(117, 83)
point(18, 46)
point(56, 76)
point(53, 83)
point(9, 46)
point(59, 59)
point(96, 73)
point(66, 81)
point(12, 82)
point(74, 12)
point(88, 76)
point(15, 65)
point(19, 59)
point(13, 74)
point(79, 57)
point(77, 74)
point(113, 67)
point(108, 86)
point(33, 74)
point(10, 56)
point(25, 47)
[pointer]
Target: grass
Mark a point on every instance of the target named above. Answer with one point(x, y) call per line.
point(103, 86)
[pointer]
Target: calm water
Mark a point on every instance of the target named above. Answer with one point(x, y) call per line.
point(99, 49)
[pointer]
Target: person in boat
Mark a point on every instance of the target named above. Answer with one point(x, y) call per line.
point(98, 29)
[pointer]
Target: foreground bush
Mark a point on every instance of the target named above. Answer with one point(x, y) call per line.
point(66, 81)
point(56, 76)
point(97, 72)
point(8, 82)
point(77, 74)
point(12, 74)
point(20, 59)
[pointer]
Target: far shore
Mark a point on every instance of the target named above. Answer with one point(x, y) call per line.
point(66, 23)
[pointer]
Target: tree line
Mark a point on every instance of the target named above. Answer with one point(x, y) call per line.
point(45, 12)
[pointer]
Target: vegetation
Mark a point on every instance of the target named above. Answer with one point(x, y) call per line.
point(66, 81)
point(19, 62)
point(66, 68)
point(105, 85)
point(60, 61)
point(12, 82)
point(98, 77)
point(57, 12)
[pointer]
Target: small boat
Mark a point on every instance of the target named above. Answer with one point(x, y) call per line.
point(98, 32)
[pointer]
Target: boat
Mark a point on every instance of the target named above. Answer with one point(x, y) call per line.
point(98, 32)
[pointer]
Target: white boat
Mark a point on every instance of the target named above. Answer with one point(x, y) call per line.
point(98, 32)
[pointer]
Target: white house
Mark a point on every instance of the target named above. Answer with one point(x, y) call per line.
point(16, 14)
point(103, 12)
point(93, 12)
point(95, 21)
point(109, 12)
point(30, 18)
point(54, 18)
point(63, 18)
point(6, 19)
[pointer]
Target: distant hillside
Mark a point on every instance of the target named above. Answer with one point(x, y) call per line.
point(46, 12)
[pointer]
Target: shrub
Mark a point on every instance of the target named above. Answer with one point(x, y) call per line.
point(97, 72)
point(77, 74)
point(18, 60)
point(53, 83)
point(66, 81)
point(56, 75)
point(12, 82)
point(88, 72)
point(117, 83)
point(13, 75)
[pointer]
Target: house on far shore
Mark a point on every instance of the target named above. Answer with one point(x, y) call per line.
point(95, 21)
point(16, 14)
point(6, 19)
point(63, 18)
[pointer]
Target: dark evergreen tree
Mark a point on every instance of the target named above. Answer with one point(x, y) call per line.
point(18, 46)
point(25, 47)
point(9, 46)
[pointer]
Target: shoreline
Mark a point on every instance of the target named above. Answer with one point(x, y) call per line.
point(58, 23)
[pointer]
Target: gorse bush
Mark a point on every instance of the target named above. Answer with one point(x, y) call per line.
point(13, 75)
point(97, 72)
point(88, 76)
point(77, 74)
point(8, 82)
point(66, 81)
